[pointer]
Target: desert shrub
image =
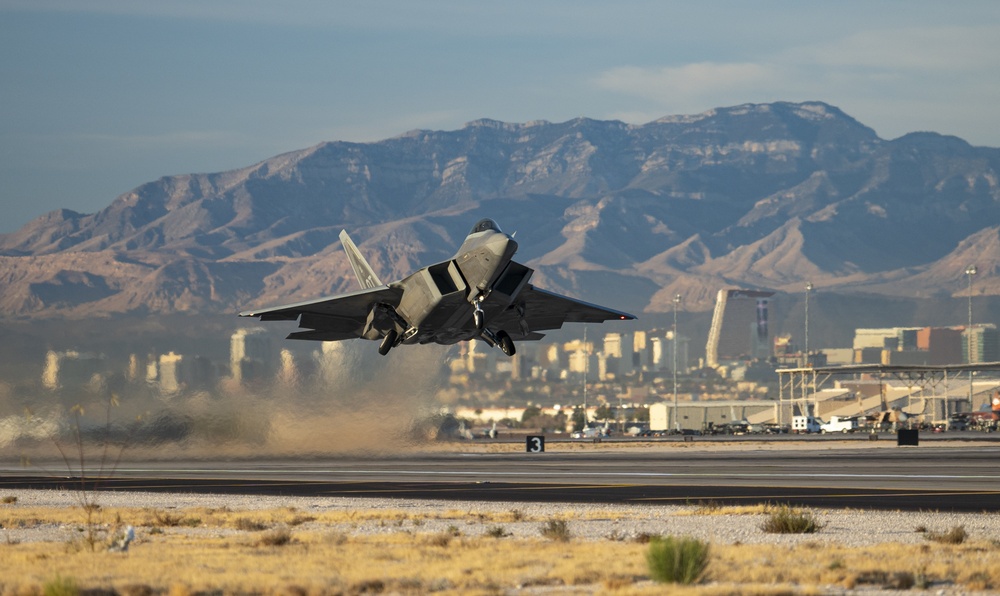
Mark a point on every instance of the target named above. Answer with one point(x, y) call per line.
point(956, 535)
point(677, 560)
point(276, 537)
point(9, 500)
point(556, 529)
point(442, 539)
point(298, 520)
point(249, 525)
point(497, 532)
point(785, 520)
point(169, 520)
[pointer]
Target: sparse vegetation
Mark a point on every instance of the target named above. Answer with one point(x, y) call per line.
point(677, 560)
point(786, 520)
point(402, 560)
point(9, 500)
point(497, 532)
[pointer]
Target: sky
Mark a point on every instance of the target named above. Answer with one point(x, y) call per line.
point(100, 96)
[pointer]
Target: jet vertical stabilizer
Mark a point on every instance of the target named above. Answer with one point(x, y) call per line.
point(366, 276)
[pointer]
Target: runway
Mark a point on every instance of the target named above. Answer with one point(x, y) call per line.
point(933, 477)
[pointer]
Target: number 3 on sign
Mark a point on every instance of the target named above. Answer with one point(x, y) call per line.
point(535, 444)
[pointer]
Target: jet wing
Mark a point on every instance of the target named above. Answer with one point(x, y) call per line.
point(547, 310)
point(332, 318)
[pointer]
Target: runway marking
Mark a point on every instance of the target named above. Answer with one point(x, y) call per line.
point(887, 493)
point(550, 473)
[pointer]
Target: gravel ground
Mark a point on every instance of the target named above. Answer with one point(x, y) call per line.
point(587, 522)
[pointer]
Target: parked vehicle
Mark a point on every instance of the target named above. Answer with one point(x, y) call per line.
point(958, 422)
point(839, 424)
point(805, 424)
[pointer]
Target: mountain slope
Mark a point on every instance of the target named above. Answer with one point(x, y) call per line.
point(766, 196)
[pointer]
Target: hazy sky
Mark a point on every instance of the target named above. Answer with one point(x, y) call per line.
point(100, 96)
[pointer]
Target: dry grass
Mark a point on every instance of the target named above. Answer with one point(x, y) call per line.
point(322, 555)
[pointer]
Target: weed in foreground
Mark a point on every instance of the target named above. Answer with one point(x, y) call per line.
point(785, 520)
point(556, 529)
point(60, 586)
point(677, 560)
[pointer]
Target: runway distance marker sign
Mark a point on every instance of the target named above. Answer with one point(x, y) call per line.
point(535, 444)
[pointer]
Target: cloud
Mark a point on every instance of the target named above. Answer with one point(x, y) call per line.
point(689, 81)
point(923, 50)
point(895, 80)
point(175, 139)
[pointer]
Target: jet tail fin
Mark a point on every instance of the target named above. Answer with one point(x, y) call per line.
point(366, 275)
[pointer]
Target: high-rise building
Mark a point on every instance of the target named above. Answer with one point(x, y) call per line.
point(985, 344)
point(250, 354)
point(71, 369)
point(682, 352)
point(739, 327)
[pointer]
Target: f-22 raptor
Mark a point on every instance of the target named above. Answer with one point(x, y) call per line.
point(480, 293)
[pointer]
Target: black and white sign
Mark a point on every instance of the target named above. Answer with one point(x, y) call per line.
point(535, 444)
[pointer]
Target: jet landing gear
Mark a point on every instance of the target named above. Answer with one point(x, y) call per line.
point(506, 343)
point(387, 342)
point(501, 339)
point(478, 315)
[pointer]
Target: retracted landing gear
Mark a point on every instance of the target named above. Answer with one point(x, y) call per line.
point(388, 342)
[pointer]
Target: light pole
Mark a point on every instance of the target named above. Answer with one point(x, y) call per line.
point(677, 421)
point(809, 287)
point(970, 271)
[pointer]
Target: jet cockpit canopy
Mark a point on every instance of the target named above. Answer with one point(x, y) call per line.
point(484, 225)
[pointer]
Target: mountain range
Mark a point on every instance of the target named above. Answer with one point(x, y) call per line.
point(760, 196)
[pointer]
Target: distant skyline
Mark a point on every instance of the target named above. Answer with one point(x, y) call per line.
point(100, 96)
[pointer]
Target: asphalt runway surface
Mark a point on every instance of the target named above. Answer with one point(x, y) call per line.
point(963, 477)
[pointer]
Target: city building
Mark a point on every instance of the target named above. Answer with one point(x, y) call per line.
point(251, 356)
point(739, 327)
point(72, 369)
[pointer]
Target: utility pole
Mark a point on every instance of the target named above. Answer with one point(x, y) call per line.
point(970, 271)
point(677, 421)
point(586, 369)
point(809, 287)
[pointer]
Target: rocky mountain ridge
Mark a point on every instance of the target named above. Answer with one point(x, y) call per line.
point(760, 196)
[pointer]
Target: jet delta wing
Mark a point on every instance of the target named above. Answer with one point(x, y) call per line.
point(481, 293)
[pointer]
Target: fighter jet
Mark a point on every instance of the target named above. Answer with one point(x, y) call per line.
point(480, 293)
